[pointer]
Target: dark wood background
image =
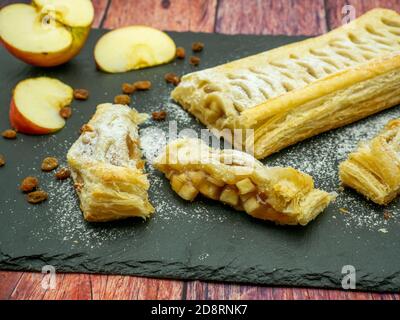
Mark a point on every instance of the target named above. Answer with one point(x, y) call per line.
point(291, 17)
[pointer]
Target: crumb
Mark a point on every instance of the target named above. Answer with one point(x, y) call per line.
point(387, 215)
point(344, 211)
point(49, 164)
point(63, 173)
point(195, 61)
point(383, 230)
point(122, 99)
point(29, 184)
point(37, 196)
point(128, 88)
point(197, 46)
point(171, 77)
point(180, 53)
point(81, 94)
point(86, 128)
point(159, 115)
point(66, 112)
point(9, 134)
point(142, 85)
point(341, 189)
point(2, 160)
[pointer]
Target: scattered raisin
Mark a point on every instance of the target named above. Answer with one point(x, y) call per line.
point(172, 78)
point(63, 173)
point(122, 99)
point(128, 88)
point(197, 46)
point(194, 61)
point(86, 128)
point(29, 184)
point(180, 53)
point(66, 112)
point(81, 94)
point(9, 134)
point(2, 160)
point(49, 163)
point(142, 85)
point(159, 115)
point(37, 196)
point(387, 215)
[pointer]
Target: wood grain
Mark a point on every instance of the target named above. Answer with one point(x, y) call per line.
point(100, 7)
point(334, 8)
point(291, 17)
point(8, 282)
point(183, 15)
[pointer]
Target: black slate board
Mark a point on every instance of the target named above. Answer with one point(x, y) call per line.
point(203, 240)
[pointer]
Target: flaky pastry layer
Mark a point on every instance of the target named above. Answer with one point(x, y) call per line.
point(283, 195)
point(107, 168)
point(297, 91)
point(374, 169)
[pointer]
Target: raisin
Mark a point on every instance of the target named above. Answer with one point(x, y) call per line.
point(63, 173)
point(49, 164)
point(9, 134)
point(122, 99)
point(142, 85)
point(66, 112)
point(86, 128)
point(37, 196)
point(81, 94)
point(128, 88)
point(197, 46)
point(172, 78)
point(159, 115)
point(29, 184)
point(180, 53)
point(2, 160)
point(195, 61)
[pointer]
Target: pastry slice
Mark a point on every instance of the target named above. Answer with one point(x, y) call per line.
point(291, 93)
point(107, 168)
point(283, 195)
point(374, 169)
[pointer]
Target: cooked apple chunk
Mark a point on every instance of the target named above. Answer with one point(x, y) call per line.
point(133, 47)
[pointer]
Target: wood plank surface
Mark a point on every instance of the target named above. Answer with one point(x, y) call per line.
point(334, 8)
point(184, 15)
point(291, 17)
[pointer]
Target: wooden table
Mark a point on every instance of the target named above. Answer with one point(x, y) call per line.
point(291, 17)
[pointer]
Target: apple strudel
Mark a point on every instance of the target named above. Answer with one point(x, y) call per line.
point(106, 166)
point(374, 169)
point(297, 91)
point(283, 195)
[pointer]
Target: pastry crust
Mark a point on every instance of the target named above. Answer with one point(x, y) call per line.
point(374, 169)
point(297, 91)
point(283, 195)
point(107, 168)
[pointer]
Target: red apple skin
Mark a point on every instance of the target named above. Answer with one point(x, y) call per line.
point(23, 125)
point(79, 35)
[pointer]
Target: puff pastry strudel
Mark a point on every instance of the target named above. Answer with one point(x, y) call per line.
point(283, 195)
point(297, 91)
point(374, 169)
point(107, 168)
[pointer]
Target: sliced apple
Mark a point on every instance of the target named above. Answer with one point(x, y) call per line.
point(48, 32)
point(133, 47)
point(36, 103)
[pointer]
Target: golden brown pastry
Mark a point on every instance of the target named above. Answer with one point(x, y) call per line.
point(297, 91)
point(374, 169)
point(107, 168)
point(283, 195)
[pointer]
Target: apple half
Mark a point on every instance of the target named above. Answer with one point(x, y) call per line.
point(133, 47)
point(48, 32)
point(36, 103)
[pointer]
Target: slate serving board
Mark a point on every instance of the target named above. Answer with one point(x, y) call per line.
point(201, 240)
